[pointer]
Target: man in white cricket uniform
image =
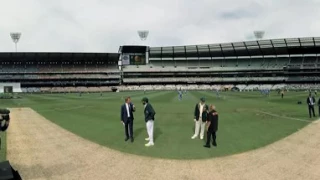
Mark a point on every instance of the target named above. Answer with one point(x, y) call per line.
point(200, 118)
point(149, 114)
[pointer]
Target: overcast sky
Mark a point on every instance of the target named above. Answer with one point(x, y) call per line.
point(104, 25)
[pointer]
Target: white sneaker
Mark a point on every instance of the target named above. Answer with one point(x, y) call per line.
point(194, 136)
point(147, 139)
point(201, 137)
point(149, 144)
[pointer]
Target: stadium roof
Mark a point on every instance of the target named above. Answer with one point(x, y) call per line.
point(272, 47)
point(290, 46)
point(42, 56)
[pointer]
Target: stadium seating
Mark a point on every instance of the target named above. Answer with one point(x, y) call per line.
point(253, 65)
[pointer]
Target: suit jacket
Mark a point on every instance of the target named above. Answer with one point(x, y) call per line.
point(204, 113)
point(149, 112)
point(124, 113)
point(213, 119)
point(313, 100)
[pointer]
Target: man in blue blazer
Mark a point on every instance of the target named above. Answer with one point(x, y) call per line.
point(127, 118)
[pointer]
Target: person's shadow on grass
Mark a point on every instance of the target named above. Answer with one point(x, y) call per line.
point(137, 131)
point(205, 134)
point(157, 133)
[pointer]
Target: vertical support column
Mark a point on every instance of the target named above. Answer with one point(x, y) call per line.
point(210, 55)
point(173, 57)
point(120, 67)
point(147, 54)
point(198, 56)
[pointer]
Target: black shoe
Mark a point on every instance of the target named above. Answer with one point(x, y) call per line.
point(132, 139)
point(214, 143)
point(126, 139)
point(206, 146)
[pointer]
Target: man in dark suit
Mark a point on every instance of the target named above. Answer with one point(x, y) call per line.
point(319, 105)
point(149, 114)
point(212, 126)
point(127, 118)
point(311, 101)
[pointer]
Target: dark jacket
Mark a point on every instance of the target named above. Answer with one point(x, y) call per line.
point(124, 113)
point(213, 119)
point(149, 112)
point(204, 113)
point(313, 100)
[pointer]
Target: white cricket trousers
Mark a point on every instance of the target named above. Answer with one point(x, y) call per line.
point(150, 124)
point(199, 125)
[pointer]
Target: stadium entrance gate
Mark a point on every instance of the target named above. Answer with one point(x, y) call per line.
point(10, 88)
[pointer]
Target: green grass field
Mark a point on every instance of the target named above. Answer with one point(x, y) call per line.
point(242, 127)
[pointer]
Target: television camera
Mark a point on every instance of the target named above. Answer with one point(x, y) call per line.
point(4, 120)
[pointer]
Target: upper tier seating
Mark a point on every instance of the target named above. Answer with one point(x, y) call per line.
point(33, 67)
point(215, 64)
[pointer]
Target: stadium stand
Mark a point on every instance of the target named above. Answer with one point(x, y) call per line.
point(252, 65)
point(270, 64)
point(60, 72)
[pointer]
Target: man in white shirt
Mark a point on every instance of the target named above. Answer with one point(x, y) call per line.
point(127, 118)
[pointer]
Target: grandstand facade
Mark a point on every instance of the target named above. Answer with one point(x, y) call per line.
point(272, 62)
point(57, 70)
point(266, 61)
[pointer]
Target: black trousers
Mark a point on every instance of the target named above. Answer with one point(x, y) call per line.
point(209, 134)
point(128, 126)
point(311, 109)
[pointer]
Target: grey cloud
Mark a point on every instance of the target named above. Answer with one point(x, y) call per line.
point(237, 14)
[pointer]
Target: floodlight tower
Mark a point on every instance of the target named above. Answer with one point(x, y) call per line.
point(258, 34)
point(15, 36)
point(143, 34)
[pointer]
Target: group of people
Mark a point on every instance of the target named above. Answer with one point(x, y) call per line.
point(205, 117)
point(265, 92)
point(180, 94)
point(127, 118)
point(311, 101)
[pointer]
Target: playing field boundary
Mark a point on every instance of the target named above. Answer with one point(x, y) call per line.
point(283, 117)
point(40, 149)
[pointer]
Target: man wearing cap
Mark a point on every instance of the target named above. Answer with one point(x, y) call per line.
point(149, 114)
point(200, 118)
